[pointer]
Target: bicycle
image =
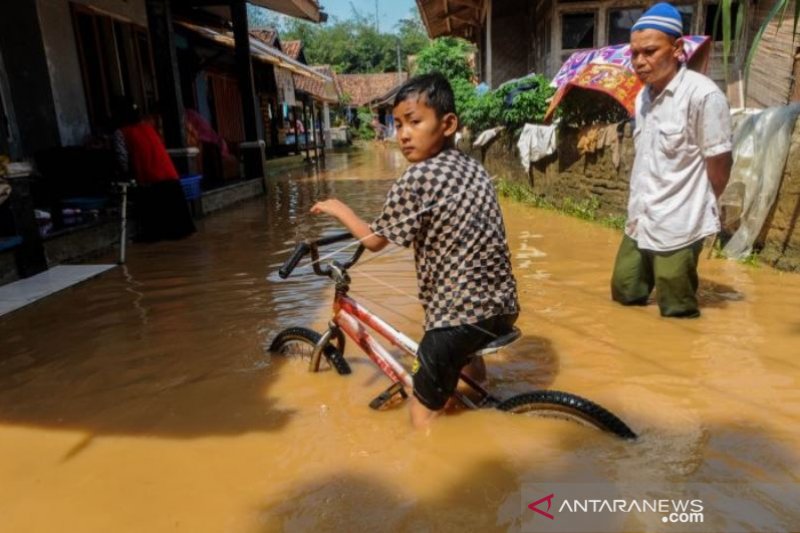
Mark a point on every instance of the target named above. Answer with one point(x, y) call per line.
point(352, 319)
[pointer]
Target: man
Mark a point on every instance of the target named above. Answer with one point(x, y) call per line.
point(682, 164)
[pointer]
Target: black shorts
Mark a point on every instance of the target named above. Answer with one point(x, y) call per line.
point(443, 352)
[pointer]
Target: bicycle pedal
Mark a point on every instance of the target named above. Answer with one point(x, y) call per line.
point(387, 396)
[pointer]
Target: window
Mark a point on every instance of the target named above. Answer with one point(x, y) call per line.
point(577, 30)
point(711, 16)
point(620, 22)
point(115, 61)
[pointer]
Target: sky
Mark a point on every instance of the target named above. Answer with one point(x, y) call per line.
point(389, 11)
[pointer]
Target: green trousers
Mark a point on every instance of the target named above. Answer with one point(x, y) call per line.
point(673, 274)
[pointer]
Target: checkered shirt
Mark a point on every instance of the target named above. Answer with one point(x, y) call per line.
point(447, 208)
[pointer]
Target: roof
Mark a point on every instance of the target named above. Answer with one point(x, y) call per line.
point(325, 91)
point(304, 9)
point(259, 50)
point(461, 18)
point(292, 48)
point(268, 36)
point(364, 88)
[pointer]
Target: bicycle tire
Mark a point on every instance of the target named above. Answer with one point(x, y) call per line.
point(557, 404)
point(310, 338)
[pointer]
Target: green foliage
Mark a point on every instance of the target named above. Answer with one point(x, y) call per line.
point(447, 55)
point(739, 11)
point(586, 208)
point(350, 46)
point(365, 131)
point(489, 110)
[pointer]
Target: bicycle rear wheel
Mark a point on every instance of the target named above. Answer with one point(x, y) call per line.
point(556, 404)
point(299, 343)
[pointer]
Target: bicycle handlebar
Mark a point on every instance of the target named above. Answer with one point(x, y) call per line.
point(304, 248)
point(300, 251)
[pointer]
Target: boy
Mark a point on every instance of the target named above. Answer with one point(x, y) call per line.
point(444, 204)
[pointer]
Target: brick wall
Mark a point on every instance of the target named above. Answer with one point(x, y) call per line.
point(567, 174)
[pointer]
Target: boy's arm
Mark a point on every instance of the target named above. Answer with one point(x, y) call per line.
point(352, 222)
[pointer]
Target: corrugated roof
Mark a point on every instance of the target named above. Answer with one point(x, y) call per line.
point(364, 88)
point(259, 50)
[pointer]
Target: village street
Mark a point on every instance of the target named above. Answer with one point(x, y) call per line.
point(146, 399)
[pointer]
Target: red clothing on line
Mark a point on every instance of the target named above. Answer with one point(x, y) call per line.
point(147, 155)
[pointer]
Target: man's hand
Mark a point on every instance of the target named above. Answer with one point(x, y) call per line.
point(718, 169)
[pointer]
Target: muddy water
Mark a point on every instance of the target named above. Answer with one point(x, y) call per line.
point(145, 400)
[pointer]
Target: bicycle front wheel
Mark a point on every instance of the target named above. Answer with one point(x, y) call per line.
point(298, 343)
point(556, 404)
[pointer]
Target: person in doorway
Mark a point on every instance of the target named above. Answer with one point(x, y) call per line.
point(162, 211)
point(445, 206)
point(683, 161)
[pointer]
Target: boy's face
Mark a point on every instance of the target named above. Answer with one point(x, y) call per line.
point(420, 132)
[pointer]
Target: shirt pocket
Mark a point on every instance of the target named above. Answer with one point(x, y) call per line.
point(671, 138)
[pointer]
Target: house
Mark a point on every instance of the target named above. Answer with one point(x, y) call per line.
point(63, 63)
point(516, 37)
point(362, 90)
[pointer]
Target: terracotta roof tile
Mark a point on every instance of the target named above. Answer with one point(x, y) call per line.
point(267, 36)
point(363, 88)
point(292, 48)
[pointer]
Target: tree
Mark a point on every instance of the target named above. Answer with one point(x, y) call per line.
point(447, 55)
point(261, 18)
point(411, 34)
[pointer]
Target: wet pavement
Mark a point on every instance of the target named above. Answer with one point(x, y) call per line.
point(146, 400)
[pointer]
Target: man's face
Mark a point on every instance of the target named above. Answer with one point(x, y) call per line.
point(420, 132)
point(655, 56)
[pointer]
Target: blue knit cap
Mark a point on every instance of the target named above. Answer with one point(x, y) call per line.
point(662, 17)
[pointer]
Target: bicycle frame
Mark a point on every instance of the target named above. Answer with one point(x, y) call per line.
point(352, 319)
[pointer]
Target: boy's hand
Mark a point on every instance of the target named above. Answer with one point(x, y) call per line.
point(351, 221)
point(332, 207)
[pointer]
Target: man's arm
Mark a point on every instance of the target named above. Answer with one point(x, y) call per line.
point(718, 168)
point(352, 222)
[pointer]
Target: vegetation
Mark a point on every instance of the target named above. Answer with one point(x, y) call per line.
point(586, 209)
point(510, 105)
point(350, 46)
point(733, 16)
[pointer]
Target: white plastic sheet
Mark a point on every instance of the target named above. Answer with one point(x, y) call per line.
point(760, 147)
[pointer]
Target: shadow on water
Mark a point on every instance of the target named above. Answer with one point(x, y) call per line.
point(175, 343)
point(492, 493)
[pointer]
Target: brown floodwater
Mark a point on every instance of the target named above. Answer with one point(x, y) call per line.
point(146, 399)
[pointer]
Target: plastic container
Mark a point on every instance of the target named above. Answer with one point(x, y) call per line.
point(191, 186)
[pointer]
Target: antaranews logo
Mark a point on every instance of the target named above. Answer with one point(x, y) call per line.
point(672, 511)
point(534, 506)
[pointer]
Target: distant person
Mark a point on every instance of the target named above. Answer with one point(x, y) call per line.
point(445, 206)
point(682, 164)
point(161, 208)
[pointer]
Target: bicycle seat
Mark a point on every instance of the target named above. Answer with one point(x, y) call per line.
point(499, 343)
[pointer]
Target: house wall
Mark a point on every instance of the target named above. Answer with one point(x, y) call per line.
point(29, 93)
point(568, 174)
point(510, 38)
point(771, 75)
point(63, 64)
